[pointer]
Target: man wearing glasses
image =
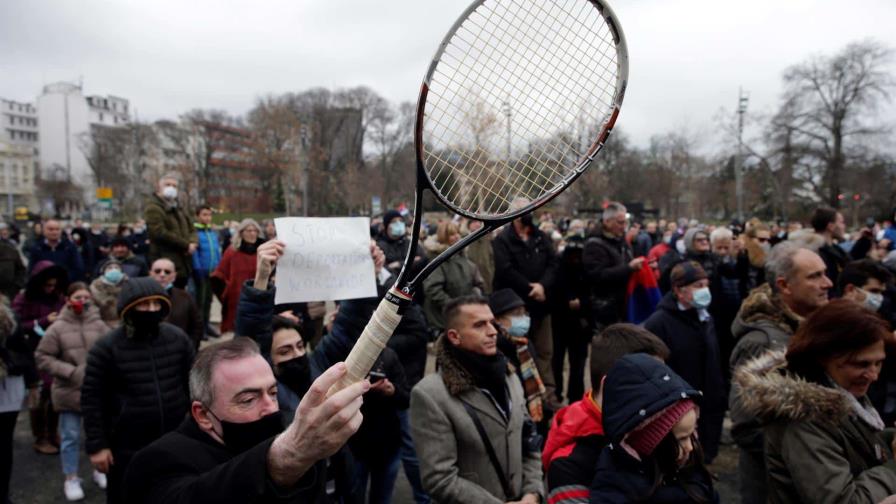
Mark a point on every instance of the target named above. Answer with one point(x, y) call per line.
point(184, 312)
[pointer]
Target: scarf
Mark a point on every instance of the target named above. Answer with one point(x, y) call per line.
point(532, 384)
point(250, 248)
point(489, 372)
point(867, 413)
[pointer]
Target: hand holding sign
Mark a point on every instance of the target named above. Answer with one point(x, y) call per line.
point(324, 258)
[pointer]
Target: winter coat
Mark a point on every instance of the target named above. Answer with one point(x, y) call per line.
point(519, 263)
point(396, 250)
point(454, 465)
point(132, 266)
point(763, 323)
point(236, 267)
point(480, 252)
point(187, 466)
point(105, 296)
point(817, 448)
point(572, 451)
point(379, 437)
point(65, 255)
point(208, 255)
point(455, 277)
point(185, 315)
point(835, 259)
point(62, 352)
point(637, 388)
point(136, 385)
point(31, 305)
point(170, 232)
point(12, 270)
point(694, 355)
point(606, 262)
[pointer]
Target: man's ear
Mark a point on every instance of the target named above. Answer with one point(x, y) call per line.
point(200, 414)
point(782, 285)
point(453, 336)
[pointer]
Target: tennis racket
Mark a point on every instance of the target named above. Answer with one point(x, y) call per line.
point(518, 100)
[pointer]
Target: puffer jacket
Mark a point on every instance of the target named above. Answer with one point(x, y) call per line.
point(572, 449)
point(763, 323)
point(637, 388)
point(62, 352)
point(818, 447)
point(136, 386)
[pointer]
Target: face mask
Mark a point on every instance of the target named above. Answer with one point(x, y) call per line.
point(113, 276)
point(78, 306)
point(295, 374)
point(667, 240)
point(397, 229)
point(239, 437)
point(873, 300)
point(146, 319)
point(139, 229)
point(679, 246)
point(519, 326)
point(169, 287)
point(702, 298)
point(169, 193)
point(766, 247)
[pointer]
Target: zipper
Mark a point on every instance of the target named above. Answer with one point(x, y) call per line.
point(155, 378)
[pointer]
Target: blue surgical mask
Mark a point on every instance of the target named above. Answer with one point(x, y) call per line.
point(113, 276)
point(873, 300)
point(519, 326)
point(702, 298)
point(397, 229)
point(169, 287)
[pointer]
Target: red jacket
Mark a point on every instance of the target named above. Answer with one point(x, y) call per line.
point(235, 268)
point(571, 451)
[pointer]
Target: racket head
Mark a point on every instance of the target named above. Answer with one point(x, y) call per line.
point(555, 70)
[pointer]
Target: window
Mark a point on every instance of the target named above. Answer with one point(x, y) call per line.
point(14, 172)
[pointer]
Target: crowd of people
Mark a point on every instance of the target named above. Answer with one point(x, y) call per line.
point(603, 360)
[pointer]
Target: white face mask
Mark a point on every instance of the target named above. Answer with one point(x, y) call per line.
point(873, 300)
point(169, 192)
point(680, 247)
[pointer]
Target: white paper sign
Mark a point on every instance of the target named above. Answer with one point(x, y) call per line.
point(326, 258)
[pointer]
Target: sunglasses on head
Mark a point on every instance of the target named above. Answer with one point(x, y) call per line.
point(165, 271)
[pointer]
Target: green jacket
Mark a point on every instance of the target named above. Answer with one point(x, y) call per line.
point(170, 234)
point(453, 278)
point(818, 449)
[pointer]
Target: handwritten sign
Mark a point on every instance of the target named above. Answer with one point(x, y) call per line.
point(325, 259)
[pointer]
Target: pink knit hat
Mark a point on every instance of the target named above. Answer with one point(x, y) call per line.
point(646, 438)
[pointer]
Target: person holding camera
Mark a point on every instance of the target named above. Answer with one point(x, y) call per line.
point(467, 420)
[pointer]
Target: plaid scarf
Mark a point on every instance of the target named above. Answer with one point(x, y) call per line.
point(533, 387)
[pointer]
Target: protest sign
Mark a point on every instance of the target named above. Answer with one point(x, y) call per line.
point(325, 259)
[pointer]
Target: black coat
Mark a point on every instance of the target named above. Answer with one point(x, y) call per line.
point(379, 437)
point(135, 388)
point(519, 263)
point(835, 259)
point(188, 466)
point(694, 355)
point(637, 388)
point(606, 267)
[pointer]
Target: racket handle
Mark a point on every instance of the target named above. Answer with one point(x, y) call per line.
point(368, 347)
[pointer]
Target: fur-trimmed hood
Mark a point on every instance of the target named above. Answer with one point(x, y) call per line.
point(763, 307)
point(457, 379)
point(769, 392)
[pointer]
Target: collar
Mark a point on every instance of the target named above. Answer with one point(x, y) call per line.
point(702, 313)
point(199, 225)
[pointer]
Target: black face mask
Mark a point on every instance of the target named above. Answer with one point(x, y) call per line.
point(295, 374)
point(249, 248)
point(239, 437)
point(146, 320)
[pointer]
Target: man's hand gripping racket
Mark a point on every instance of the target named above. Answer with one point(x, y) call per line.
point(518, 100)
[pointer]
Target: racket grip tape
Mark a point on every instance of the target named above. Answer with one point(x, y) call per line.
point(368, 347)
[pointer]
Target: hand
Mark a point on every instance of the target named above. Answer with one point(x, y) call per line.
point(52, 317)
point(528, 499)
point(378, 256)
point(267, 255)
point(537, 292)
point(288, 314)
point(575, 304)
point(384, 387)
point(191, 249)
point(33, 399)
point(102, 460)
point(319, 429)
point(636, 263)
point(394, 265)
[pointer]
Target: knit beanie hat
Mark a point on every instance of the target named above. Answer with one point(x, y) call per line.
point(686, 273)
point(646, 438)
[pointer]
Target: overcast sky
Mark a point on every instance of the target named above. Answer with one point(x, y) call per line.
point(688, 57)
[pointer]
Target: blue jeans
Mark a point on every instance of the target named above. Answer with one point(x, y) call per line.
point(382, 480)
point(70, 446)
point(409, 460)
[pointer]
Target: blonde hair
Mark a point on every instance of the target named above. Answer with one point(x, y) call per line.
point(445, 229)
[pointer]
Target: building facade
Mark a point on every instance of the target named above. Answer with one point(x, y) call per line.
point(17, 170)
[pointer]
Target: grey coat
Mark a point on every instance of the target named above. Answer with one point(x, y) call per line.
point(454, 465)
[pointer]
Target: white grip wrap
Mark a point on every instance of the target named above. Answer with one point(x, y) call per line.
point(368, 347)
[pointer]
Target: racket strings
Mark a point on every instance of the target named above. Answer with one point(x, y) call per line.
point(554, 64)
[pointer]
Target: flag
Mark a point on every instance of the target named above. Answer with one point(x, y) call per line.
point(642, 295)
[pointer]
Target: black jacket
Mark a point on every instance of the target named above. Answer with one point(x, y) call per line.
point(379, 437)
point(136, 384)
point(519, 263)
point(835, 259)
point(637, 388)
point(188, 466)
point(606, 268)
point(12, 271)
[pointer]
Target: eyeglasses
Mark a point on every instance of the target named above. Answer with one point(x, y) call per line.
point(762, 240)
point(701, 239)
point(165, 271)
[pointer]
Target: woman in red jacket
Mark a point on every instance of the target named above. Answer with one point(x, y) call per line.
point(237, 265)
